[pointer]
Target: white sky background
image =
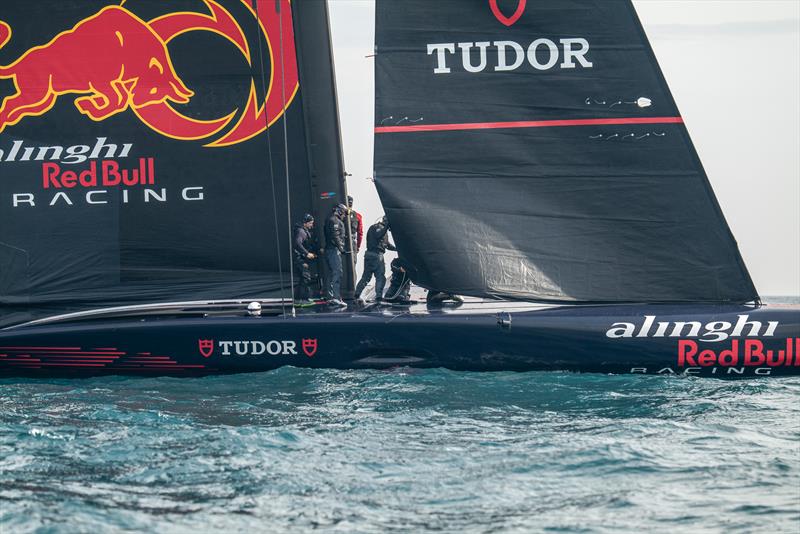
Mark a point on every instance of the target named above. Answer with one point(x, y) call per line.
point(734, 69)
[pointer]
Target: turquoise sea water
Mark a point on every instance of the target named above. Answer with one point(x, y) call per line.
point(407, 450)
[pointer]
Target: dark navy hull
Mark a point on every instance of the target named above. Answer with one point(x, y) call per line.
point(718, 341)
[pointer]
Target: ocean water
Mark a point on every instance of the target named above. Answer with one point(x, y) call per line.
point(406, 450)
point(295, 450)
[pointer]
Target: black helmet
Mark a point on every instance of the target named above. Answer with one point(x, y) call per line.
point(307, 218)
point(341, 208)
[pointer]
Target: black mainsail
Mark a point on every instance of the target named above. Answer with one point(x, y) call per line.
point(169, 153)
point(533, 150)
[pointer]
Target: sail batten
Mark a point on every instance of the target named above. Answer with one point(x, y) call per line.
point(542, 157)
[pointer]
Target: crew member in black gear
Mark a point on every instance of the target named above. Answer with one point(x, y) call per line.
point(302, 257)
point(334, 248)
point(356, 231)
point(377, 243)
point(400, 286)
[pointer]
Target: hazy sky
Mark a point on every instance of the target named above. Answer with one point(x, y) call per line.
point(734, 70)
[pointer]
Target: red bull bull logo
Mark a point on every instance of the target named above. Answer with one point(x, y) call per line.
point(115, 62)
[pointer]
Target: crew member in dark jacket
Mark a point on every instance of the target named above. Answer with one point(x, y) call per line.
point(334, 248)
point(356, 231)
point(302, 257)
point(377, 243)
point(400, 285)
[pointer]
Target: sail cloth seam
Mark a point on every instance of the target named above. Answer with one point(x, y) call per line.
point(526, 124)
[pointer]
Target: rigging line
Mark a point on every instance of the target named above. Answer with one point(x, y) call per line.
point(269, 151)
point(285, 144)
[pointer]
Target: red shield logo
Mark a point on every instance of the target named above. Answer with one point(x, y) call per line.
point(310, 347)
point(206, 347)
point(508, 21)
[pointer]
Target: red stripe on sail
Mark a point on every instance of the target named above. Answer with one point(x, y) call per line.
point(526, 124)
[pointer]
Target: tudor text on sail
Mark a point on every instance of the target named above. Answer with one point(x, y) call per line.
point(541, 54)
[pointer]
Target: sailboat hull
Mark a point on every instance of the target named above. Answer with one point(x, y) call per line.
point(704, 340)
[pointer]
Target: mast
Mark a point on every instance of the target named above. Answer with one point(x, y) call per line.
point(318, 80)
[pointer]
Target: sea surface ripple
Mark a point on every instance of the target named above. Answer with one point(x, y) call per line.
point(370, 451)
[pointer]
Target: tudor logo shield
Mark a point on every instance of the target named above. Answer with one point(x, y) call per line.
point(508, 21)
point(206, 347)
point(310, 347)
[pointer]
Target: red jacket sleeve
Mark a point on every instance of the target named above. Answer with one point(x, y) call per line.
point(360, 230)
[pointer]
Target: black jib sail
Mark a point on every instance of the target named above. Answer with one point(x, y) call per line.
point(532, 149)
point(157, 151)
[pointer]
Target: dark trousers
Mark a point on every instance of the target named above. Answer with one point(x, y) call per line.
point(399, 288)
point(302, 283)
point(373, 265)
point(333, 259)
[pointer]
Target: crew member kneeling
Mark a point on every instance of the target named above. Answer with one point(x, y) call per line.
point(400, 286)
